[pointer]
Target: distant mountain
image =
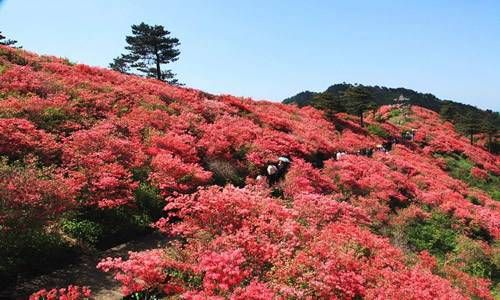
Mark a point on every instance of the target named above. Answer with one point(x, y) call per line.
point(384, 95)
point(466, 118)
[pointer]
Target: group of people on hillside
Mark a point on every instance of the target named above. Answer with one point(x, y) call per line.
point(275, 171)
point(384, 147)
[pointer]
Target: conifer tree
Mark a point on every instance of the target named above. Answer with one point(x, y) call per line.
point(490, 127)
point(469, 124)
point(149, 47)
point(357, 101)
point(329, 103)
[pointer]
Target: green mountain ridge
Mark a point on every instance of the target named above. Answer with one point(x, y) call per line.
point(467, 119)
point(385, 95)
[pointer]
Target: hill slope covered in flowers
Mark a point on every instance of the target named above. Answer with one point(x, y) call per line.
point(85, 150)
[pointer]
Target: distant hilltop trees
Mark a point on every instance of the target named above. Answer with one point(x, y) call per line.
point(356, 99)
point(149, 47)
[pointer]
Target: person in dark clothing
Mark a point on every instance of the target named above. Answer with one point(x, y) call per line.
point(277, 171)
point(387, 145)
point(272, 174)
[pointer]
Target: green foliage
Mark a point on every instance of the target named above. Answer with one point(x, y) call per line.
point(5, 41)
point(149, 47)
point(357, 100)
point(85, 231)
point(143, 295)
point(475, 261)
point(51, 118)
point(149, 201)
point(459, 167)
point(469, 125)
point(329, 103)
point(394, 113)
point(193, 280)
point(378, 131)
point(106, 228)
point(434, 234)
point(301, 99)
point(31, 252)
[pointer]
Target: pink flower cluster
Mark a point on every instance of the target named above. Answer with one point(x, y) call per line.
point(70, 293)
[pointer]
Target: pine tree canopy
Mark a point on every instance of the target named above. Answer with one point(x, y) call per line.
point(149, 47)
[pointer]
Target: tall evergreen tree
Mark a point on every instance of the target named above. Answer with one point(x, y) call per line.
point(470, 125)
point(120, 64)
point(149, 47)
point(329, 103)
point(490, 126)
point(357, 101)
point(5, 41)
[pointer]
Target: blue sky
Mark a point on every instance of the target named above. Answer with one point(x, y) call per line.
point(270, 49)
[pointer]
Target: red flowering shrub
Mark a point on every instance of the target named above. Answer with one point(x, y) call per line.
point(304, 178)
point(19, 137)
point(171, 174)
point(32, 196)
point(222, 271)
point(142, 270)
point(181, 145)
point(70, 293)
point(228, 135)
point(107, 140)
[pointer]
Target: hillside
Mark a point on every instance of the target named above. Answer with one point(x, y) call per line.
point(450, 110)
point(91, 157)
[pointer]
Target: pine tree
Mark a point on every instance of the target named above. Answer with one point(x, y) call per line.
point(5, 41)
point(469, 125)
point(357, 101)
point(149, 47)
point(329, 103)
point(490, 126)
point(120, 64)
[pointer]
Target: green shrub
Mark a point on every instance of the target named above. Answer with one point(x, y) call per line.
point(30, 253)
point(103, 229)
point(459, 167)
point(434, 234)
point(84, 230)
point(475, 261)
point(377, 130)
point(394, 113)
point(149, 201)
point(51, 118)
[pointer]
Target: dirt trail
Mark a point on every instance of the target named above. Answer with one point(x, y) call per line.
point(84, 273)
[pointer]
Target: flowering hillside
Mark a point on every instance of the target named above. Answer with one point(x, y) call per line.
point(84, 150)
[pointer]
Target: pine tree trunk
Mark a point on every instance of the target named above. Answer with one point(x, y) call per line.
point(361, 120)
point(472, 138)
point(158, 70)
